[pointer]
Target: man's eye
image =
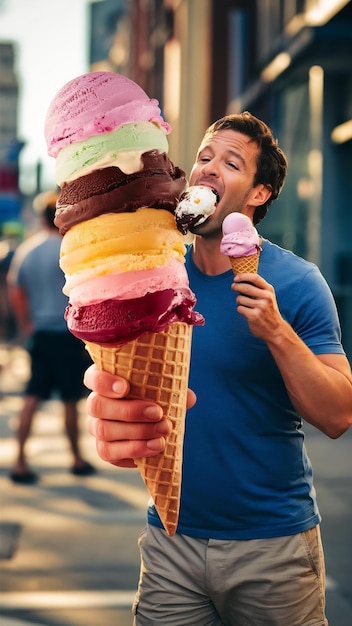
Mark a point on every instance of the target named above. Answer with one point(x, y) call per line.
point(204, 159)
point(232, 165)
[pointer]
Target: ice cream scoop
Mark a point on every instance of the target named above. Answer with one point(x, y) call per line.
point(240, 242)
point(158, 184)
point(97, 103)
point(137, 258)
point(195, 206)
point(122, 148)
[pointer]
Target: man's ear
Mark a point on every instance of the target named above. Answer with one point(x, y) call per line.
point(260, 195)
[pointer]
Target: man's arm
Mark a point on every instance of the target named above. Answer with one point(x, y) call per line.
point(320, 387)
point(19, 303)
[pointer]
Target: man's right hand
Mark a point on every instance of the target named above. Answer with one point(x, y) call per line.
point(124, 429)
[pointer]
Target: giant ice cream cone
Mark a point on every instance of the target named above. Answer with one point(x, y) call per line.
point(240, 242)
point(122, 254)
point(157, 366)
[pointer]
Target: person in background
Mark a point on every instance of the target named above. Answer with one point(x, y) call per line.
point(247, 551)
point(58, 360)
point(11, 234)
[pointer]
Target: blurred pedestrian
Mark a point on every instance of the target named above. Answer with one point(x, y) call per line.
point(57, 358)
point(10, 237)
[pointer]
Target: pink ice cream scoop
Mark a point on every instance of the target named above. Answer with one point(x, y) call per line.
point(240, 238)
point(91, 104)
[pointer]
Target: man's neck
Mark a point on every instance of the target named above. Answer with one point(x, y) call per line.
point(208, 258)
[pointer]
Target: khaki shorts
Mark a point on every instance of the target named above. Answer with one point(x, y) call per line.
point(198, 582)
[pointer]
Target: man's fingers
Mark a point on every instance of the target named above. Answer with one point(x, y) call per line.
point(105, 384)
point(191, 398)
point(116, 452)
point(122, 452)
point(127, 410)
point(249, 277)
point(108, 431)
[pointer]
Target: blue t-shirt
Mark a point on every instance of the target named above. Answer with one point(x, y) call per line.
point(246, 473)
point(35, 268)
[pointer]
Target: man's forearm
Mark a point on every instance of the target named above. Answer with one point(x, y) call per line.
point(320, 387)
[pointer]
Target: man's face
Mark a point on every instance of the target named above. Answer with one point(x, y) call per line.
point(226, 162)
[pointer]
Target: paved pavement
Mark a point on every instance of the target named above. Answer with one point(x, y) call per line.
point(68, 545)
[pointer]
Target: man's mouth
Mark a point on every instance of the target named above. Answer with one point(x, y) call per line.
point(215, 191)
point(216, 194)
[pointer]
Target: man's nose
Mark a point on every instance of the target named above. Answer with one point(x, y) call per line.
point(210, 168)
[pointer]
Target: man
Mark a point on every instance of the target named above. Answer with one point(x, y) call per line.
point(58, 359)
point(248, 549)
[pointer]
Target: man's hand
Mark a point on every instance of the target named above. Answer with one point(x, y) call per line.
point(124, 429)
point(256, 301)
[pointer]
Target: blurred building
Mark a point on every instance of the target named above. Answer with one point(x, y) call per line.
point(291, 65)
point(10, 199)
point(10, 146)
point(287, 61)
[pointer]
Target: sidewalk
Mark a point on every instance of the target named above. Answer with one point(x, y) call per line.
point(7, 621)
point(15, 622)
point(68, 545)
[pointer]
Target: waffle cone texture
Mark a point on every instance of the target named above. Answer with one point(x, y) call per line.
point(157, 368)
point(245, 264)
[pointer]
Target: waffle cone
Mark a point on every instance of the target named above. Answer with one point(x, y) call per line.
point(157, 367)
point(245, 263)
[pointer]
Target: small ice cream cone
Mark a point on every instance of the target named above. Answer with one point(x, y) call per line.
point(241, 243)
point(157, 367)
point(245, 264)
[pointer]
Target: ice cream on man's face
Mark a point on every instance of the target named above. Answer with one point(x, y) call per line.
point(240, 242)
point(196, 204)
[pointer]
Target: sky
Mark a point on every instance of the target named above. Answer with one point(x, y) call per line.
point(50, 49)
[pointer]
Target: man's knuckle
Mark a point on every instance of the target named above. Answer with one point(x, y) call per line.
point(101, 430)
point(103, 450)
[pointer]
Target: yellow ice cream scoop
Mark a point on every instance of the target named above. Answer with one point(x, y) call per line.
point(149, 236)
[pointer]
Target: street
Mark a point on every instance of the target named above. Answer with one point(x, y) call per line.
point(68, 549)
point(68, 546)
